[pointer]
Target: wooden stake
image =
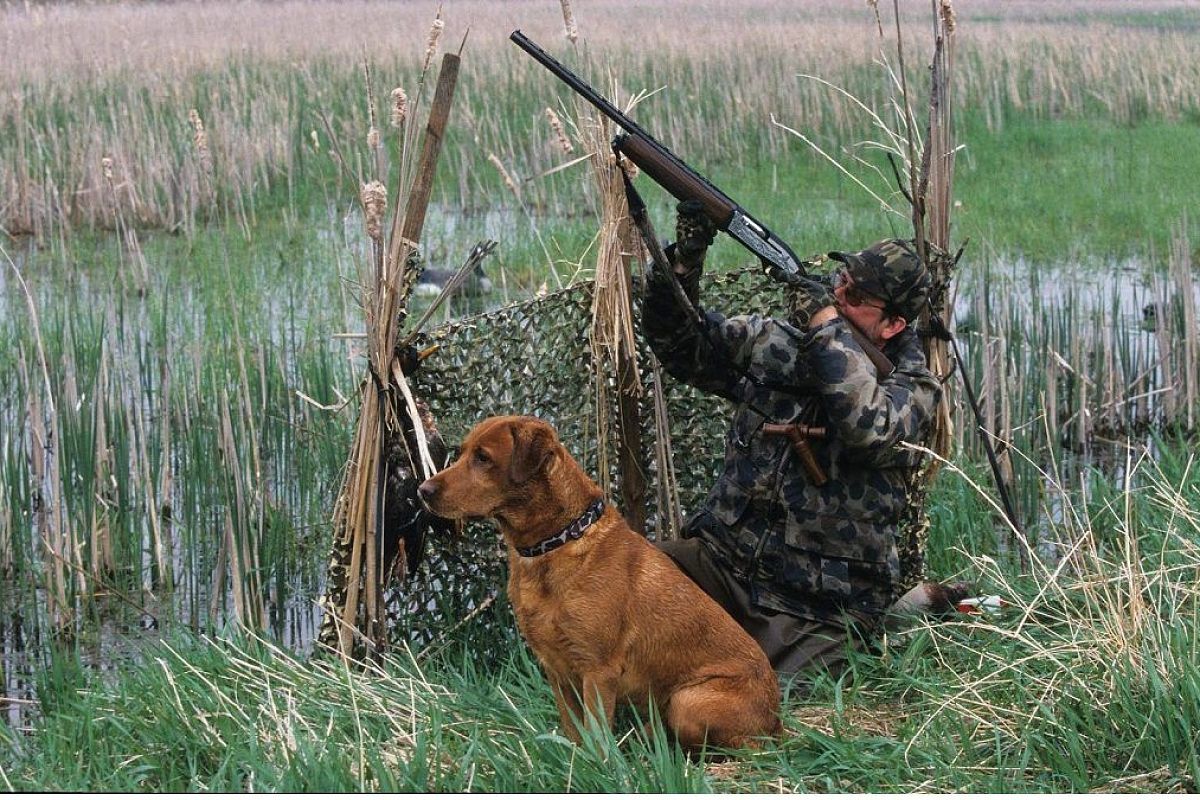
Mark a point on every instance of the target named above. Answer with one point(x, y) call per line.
point(413, 221)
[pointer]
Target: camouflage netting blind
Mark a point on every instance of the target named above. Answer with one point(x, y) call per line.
point(535, 358)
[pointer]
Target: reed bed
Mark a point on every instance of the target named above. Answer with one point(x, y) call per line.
point(95, 131)
point(185, 454)
point(1071, 369)
point(160, 466)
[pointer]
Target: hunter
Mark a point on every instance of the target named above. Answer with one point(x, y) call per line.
point(802, 556)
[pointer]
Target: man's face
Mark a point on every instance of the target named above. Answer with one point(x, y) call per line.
point(865, 311)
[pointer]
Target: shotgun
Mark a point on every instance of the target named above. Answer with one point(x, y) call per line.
point(684, 183)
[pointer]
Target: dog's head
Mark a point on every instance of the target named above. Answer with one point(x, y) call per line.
point(502, 466)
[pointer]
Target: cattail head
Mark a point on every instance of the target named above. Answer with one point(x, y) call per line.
point(947, 11)
point(399, 107)
point(200, 139)
point(374, 201)
point(435, 33)
point(564, 142)
point(198, 134)
point(504, 175)
point(106, 164)
point(569, 21)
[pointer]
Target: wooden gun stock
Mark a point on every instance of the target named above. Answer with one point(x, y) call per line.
point(681, 184)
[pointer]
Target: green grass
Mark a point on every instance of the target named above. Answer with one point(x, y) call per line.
point(1088, 680)
point(1051, 191)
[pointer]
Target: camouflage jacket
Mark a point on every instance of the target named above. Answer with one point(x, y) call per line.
point(814, 552)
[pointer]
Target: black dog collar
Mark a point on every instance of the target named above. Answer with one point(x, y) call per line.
point(570, 533)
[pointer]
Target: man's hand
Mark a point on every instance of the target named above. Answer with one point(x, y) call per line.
point(694, 234)
point(808, 299)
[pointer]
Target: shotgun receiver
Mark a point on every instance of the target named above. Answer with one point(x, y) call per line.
point(684, 183)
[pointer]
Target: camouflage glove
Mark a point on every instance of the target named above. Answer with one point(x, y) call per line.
point(806, 296)
point(694, 234)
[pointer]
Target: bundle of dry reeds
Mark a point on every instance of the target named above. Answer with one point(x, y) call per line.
point(353, 604)
point(927, 186)
point(617, 380)
point(614, 349)
point(932, 203)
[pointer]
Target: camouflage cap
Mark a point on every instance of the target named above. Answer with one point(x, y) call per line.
point(891, 271)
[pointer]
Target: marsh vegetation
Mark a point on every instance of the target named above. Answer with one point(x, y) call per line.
point(179, 310)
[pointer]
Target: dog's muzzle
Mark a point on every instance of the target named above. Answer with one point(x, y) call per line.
point(427, 490)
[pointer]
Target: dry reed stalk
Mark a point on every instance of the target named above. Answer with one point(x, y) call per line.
point(206, 190)
point(240, 544)
point(931, 198)
point(1184, 297)
point(1108, 413)
point(143, 485)
point(1004, 429)
point(611, 333)
point(44, 442)
point(560, 133)
point(353, 517)
point(6, 523)
point(570, 28)
point(131, 249)
point(70, 406)
point(357, 514)
point(102, 488)
point(163, 509)
point(505, 176)
point(514, 186)
point(43, 502)
point(1051, 400)
point(670, 519)
point(1166, 373)
point(374, 140)
point(1083, 414)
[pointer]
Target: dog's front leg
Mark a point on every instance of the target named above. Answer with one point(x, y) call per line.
point(600, 697)
point(570, 710)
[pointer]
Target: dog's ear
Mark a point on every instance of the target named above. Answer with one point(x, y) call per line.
point(534, 444)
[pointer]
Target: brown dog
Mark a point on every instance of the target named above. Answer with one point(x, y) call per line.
point(610, 618)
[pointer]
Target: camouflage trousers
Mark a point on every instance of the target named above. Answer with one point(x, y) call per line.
point(794, 646)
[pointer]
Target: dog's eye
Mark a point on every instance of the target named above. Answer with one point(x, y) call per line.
point(481, 458)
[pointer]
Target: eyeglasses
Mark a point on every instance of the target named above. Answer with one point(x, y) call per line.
point(853, 295)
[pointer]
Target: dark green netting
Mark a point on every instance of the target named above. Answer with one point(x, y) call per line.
point(535, 358)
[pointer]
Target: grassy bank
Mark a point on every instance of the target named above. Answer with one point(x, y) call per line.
point(1088, 681)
